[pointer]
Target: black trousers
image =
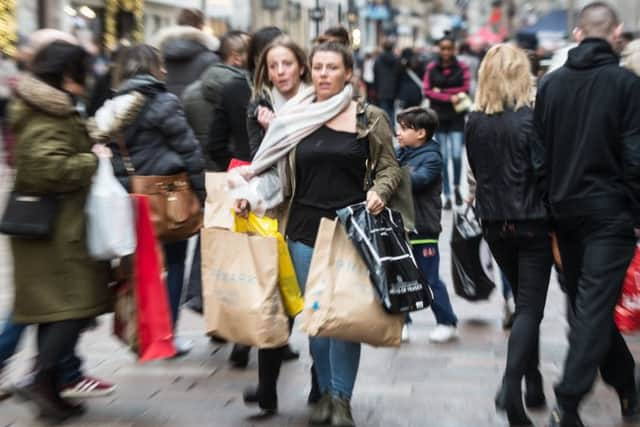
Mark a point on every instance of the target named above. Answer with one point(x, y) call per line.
point(57, 340)
point(523, 252)
point(596, 251)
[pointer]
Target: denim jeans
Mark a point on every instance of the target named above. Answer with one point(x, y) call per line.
point(175, 254)
point(68, 368)
point(428, 258)
point(336, 362)
point(451, 147)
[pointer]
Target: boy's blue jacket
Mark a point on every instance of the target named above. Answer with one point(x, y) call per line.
point(425, 167)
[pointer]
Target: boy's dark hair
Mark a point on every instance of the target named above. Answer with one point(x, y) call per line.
point(417, 118)
point(59, 60)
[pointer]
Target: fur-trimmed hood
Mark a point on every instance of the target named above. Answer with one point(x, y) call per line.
point(115, 115)
point(44, 97)
point(180, 43)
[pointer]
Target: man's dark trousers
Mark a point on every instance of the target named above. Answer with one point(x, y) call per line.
point(596, 250)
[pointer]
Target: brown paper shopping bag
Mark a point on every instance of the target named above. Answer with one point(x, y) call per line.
point(340, 301)
point(242, 301)
point(218, 205)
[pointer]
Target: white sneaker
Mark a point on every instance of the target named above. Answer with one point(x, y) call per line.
point(405, 333)
point(443, 333)
point(182, 345)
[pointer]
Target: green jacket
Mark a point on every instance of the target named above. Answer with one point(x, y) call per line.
point(55, 279)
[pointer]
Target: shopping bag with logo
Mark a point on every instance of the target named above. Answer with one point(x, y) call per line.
point(142, 317)
point(287, 279)
point(242, 302)
point(627, 312)
point(382, 243)
point(340, 300)
point(471, 265)
point(110, 225)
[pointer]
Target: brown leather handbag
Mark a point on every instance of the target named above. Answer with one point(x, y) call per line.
point(176, 213)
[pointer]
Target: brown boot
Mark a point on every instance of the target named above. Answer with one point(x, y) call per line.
point(43, 392)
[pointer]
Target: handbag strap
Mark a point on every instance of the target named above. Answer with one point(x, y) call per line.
point(415, 78)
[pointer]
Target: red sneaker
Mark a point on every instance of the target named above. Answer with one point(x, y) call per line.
point(87, 387)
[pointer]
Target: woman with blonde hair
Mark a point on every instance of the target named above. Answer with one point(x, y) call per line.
point(503, 155)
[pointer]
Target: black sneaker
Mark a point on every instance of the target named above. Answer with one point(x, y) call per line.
point(239, 357)
point(447, 205)
point(559, 418)
point(458, 197)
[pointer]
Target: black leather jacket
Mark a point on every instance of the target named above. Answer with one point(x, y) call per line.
point(501, 156)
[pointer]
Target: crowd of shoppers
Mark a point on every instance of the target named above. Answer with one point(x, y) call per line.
point(547, 165)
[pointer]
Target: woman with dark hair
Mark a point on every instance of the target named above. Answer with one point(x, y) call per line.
point(57, 285)
point(336, 140)
point(150, 121)
point(446, 82)
point(259, 40)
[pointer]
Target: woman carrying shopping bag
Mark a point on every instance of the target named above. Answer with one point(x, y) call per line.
point(57, 284)
point(280, 74)
point(151, 140)
point(322, 142)
point(502, 155)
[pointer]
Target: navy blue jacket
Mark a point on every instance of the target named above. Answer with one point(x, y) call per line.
point(425, 166)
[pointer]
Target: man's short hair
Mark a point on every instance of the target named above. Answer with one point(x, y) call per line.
point(191, 18)
point(417, 118)
point(233, 42)
point(598, 19)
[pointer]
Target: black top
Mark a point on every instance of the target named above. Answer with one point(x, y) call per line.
point(330, 174)
point(502, 155)
point(587, 119)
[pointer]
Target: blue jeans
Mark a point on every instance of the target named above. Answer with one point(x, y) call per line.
point(335, 361)
point(506, 287)
point(428, 258)
point(68, 368)
point(175, 254)
point(451, 147)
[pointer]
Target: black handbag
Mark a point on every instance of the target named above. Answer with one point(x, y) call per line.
point(30, 216)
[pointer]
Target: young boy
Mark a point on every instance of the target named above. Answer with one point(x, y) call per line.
point(421, 153)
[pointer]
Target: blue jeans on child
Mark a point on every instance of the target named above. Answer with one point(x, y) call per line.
point(68, 367)
point(336, 362)
point(451, 147)
point(428, 258)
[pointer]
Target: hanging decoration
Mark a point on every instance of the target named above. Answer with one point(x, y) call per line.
point(112, 7)
point(8, 37)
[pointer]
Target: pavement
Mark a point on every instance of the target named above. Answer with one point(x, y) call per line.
point(418, 385)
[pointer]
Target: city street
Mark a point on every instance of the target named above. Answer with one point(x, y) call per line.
point(418, 385)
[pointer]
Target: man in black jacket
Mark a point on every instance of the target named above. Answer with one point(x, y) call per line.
point(385, 74)
point(587, 119)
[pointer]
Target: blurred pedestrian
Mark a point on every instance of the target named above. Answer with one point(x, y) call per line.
point(187, 50)
point(586, 118)
point(466, 55)
point(446, 83)
point(282, 71)
point(386, 71)
point(150, 122)
point(421, 153)
point(258, 41)
point(409, 80)
point(338, 34)
point(514, 219)
point(57, 285)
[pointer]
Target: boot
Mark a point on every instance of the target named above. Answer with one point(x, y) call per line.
point(254, 396)
point(239, 357)
point(321, 413)
point(44, 393)
point(341, 413)
point(509, 400)
point(559, 418)
point(534, 391)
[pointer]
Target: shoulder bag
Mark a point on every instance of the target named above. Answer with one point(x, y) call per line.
point(30, 216)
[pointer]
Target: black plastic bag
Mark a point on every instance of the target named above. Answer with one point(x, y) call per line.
point(382, 243)
point(471, 265)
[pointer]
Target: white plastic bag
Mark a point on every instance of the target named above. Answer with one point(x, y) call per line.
point(110, 222)
point(263, 192)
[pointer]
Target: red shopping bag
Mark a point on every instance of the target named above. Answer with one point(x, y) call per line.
point(142, 316)
point(236, 163)
point(627, 312)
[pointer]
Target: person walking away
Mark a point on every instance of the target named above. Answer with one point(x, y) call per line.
point(281, 73)
point(385, 72)
point(335, 150)
point(421, 153)
point(446, 82)
point(57, 285)
point(150, 121)
point(187, 51)
point(409, 81)
point(467, 56)
point(515, 223)
point(587, 117)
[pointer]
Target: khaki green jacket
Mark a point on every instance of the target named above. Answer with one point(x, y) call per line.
point(55, 279)
point(373, 124)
